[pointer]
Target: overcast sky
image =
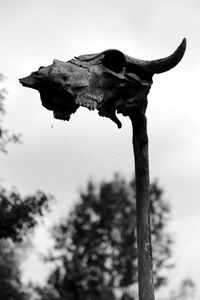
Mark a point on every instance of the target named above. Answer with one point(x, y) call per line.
point(59, 157)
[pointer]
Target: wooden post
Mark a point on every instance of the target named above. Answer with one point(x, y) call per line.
point(144, 249)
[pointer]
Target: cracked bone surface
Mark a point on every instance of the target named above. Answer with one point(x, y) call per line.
point(110, 82)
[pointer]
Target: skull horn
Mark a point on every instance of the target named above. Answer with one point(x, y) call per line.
point(165, 64)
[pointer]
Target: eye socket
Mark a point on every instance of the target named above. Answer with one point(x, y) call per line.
point(35, 74)
point(114, 60)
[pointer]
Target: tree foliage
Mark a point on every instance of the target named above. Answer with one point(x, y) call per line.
point(5, 136)
point(19, 215)
point(11, 287)
point(186, 290)
point(95, 247)
point(18, 218)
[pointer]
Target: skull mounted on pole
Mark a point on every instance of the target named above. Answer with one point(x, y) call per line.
point(111, 82)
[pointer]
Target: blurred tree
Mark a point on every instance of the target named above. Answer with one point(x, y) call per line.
point(11, 287)
point(186, 290)
point(5, 136)
point(95, 247)
point(18, 217)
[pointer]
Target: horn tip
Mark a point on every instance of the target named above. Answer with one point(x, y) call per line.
point(181, 49)
point(165, 64)
point(183, 44)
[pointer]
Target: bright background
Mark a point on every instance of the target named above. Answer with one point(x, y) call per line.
point(59, 157)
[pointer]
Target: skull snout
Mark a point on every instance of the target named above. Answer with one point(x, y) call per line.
point(29, 81)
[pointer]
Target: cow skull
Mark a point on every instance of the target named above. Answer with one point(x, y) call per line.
point(109, 81)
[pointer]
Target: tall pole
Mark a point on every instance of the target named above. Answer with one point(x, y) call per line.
point(144, 249)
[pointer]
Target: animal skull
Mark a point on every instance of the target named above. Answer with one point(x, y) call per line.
point(109, 81)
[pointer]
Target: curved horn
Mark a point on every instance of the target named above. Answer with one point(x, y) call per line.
point(165, 64)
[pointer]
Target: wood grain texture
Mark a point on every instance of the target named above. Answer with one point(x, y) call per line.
point(145, 265)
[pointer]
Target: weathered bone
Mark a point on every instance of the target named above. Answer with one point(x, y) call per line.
point(109, 81)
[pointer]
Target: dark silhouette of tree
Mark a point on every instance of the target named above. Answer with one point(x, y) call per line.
point(95, 247)
point(11, 286)
point(19, 215)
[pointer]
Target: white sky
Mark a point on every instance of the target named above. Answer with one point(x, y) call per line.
point(59, 157)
